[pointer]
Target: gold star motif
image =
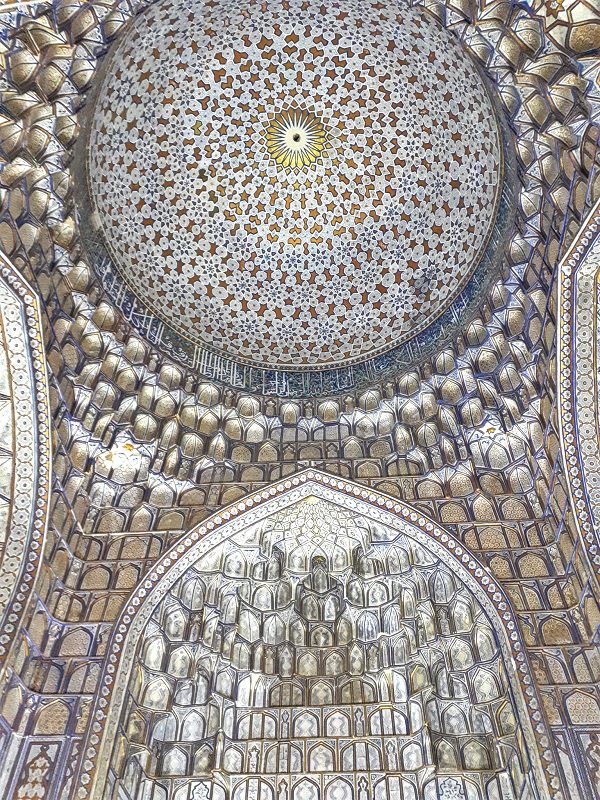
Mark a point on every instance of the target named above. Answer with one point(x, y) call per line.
point(295, 139)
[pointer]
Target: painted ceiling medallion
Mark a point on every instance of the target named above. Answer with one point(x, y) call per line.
point(293, 186)
point(295, 139)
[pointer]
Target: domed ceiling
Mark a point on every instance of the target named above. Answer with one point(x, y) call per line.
point(293, 185)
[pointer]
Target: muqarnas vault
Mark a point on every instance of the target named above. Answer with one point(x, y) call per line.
point(299, 464)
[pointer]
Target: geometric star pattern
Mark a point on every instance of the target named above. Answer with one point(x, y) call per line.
point(283, 252)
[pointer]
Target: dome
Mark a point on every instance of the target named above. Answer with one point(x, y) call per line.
point(293, 185)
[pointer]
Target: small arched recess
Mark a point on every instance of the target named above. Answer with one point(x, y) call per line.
point(317, 641)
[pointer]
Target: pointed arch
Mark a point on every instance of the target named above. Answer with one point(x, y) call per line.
point(388, 520)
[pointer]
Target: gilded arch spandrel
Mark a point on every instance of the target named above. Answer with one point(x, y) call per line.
point(205, 540)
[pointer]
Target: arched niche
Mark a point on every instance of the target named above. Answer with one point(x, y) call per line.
point(317, 640)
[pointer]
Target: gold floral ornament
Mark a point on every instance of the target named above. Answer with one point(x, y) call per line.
point(296, 139)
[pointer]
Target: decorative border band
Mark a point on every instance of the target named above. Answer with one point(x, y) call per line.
point(32, 460)
point(577, 347)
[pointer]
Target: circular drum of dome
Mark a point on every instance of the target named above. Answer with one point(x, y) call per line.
point(287, 187)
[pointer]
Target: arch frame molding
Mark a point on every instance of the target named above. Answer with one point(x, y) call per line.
point(27, 379)
point(231, 520)
point(578, 343)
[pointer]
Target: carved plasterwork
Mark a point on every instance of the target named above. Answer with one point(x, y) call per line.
point(147, 448)
point(572, 24)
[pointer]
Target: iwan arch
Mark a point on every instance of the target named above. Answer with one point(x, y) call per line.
point(318, 640)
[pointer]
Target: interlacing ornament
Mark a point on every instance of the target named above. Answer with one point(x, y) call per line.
point(318, 198)
point(360, 518)
point(58, 92)
point(578, 342)
point(296, 139)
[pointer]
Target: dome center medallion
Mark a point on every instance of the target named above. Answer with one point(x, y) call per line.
point(296, 139)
